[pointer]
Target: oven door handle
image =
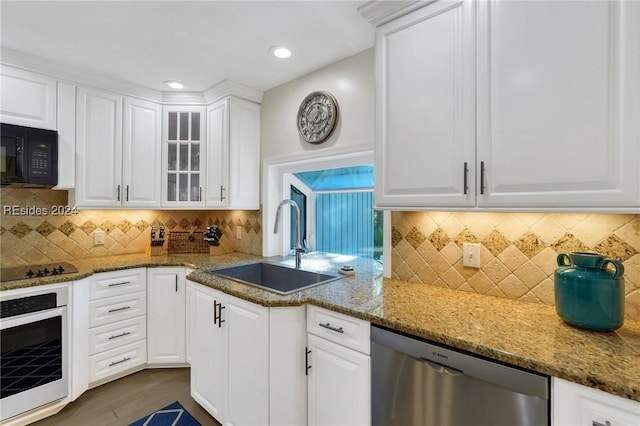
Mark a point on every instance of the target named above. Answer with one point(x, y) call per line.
point(31, 317)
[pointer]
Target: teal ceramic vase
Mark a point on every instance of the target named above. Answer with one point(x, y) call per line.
point(589, 291)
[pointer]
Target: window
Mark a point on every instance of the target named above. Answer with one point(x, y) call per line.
point(339, 210)
point(301, 200)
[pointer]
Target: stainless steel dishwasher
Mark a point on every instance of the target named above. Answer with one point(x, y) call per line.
point(419, 383)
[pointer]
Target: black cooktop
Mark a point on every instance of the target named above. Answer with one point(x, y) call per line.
point(36, 271)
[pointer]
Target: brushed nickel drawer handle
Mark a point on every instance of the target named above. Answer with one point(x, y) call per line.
point(119, 362)
point(126, 333)
point(121, 283)
point(124, 308)
point(330, 327)
point(606, 423)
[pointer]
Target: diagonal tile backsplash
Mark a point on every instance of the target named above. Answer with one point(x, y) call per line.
point(36, 237)
point(518, 250)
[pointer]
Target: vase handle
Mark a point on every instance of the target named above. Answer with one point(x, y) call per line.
point(563, 259)
point(618, 268)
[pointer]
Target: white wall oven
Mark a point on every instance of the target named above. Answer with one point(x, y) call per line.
point(33, 341)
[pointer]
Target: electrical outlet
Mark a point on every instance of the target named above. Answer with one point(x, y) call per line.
point(98, 238)
point(238, 232)
point(471, 255)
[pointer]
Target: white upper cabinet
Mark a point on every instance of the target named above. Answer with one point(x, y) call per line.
point(141, 153)
point(66, 125)
point(27, 98)
point(233, 154)
point(522, 105)
point(559, 104)
point(425, 115)
point(115, 167)
point(98, 149)
point(183, 148)
point(218, 155)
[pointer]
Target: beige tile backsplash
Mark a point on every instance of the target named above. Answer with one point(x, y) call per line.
point(43, 238)
point(518, 250)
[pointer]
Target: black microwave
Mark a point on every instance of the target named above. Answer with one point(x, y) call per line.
point(29, 157)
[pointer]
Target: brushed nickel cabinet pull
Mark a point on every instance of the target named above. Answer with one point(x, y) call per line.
point(127, 192)
point(118, 192)
point(119, 362)
point(126, 333)
point(124, 308)
point(606, 423)
point(466, 178)
point(482, 171)
point(332, 328)
point(221, 193)
point(120, 283)
point(306, 361)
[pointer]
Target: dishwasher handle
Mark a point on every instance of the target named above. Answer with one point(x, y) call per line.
point(441, 368)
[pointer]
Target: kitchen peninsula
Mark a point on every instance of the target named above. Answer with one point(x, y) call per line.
point(527, 335)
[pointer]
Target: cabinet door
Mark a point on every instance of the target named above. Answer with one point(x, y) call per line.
point(559, 103)
point(183, 151)
point(66, 124)
point(425, 112)
point(339, 384)
point(99, 148)
point(247, 391)
point(244, 154)
point(207, 353)
point(28, 99)
point(575, 404)
point(166, 299)
point(218, 154)
point(142, 152)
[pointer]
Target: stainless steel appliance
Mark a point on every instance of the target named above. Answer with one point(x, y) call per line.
point(28, 157)
point(33, 341)
point(415, 382)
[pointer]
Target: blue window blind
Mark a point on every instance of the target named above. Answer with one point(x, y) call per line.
point(344, 223)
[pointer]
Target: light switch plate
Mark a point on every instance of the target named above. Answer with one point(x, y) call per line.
point(471, 255)
point(238, 232)
point(98, 238)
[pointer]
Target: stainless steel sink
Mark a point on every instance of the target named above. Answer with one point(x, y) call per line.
point(276, 278)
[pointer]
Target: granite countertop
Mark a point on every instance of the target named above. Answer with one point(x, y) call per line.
point(524, 334)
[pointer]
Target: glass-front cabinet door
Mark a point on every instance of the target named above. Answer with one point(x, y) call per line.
point(183, 151)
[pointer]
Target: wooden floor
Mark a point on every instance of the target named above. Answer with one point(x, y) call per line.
point(126, 400)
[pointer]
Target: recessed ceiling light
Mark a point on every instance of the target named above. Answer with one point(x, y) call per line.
point(174, 84)
point(280, 52)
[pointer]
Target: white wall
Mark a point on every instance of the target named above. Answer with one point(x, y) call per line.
point(350, 81)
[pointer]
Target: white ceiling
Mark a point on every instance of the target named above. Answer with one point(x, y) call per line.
point(199, 43)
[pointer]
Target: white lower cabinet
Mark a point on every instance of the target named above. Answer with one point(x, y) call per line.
point(166, 322)
point(109, 327)
point(338, 369)
point(577, 405)
point(230, 357)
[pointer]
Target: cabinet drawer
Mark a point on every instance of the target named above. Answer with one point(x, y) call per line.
point(574, 404)
point(109, 363)
point(112, 309)
point(339, 328)
point(116, 283)
point(118, 334)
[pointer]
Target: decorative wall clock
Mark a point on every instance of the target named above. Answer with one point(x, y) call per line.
point(317, 117)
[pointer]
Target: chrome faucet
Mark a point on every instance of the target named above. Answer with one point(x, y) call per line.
point(298, 248)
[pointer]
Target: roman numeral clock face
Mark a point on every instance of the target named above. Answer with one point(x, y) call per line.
point(317, 117)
